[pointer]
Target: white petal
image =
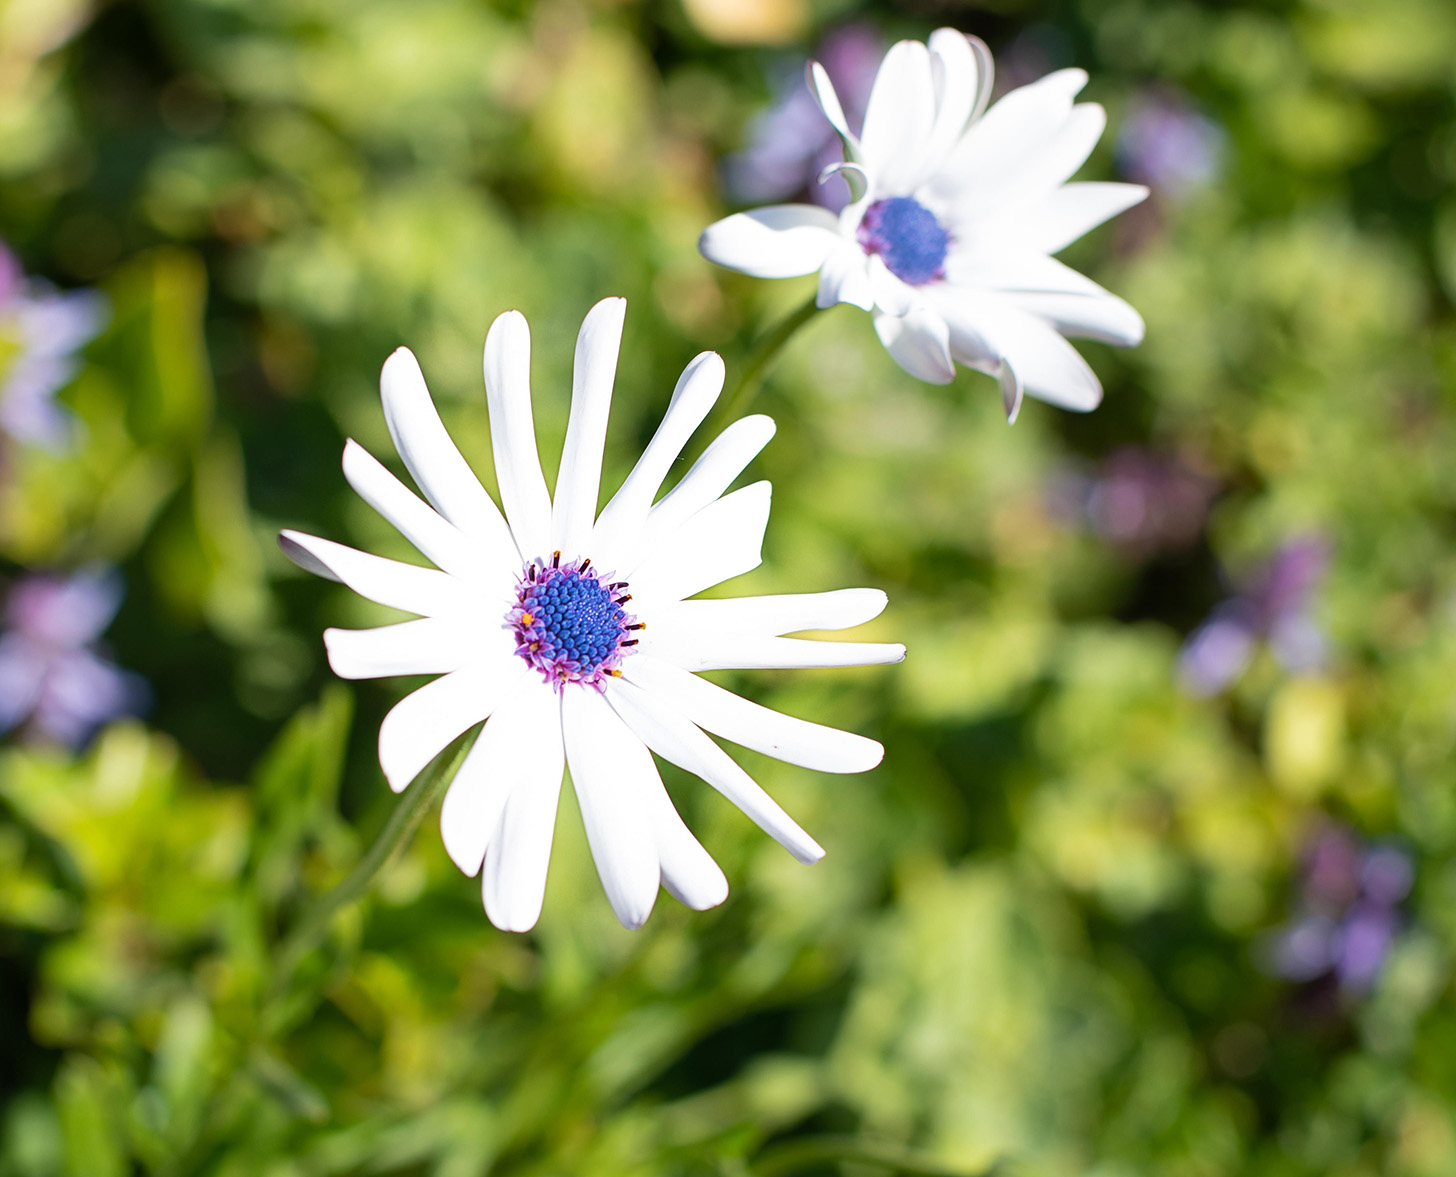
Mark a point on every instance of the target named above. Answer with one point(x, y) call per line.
point(1066, 213)
point(1103, 317)
point(611, 770)
point(899, 118)
point(669, 733)
point(892, 295)
point(688, 871)
point(427, 646)
point(1014, 269)
point(618, 533)
point(961, 73)
point(709, 650)
point(444, 477)
point(1048, 366)
point(513, 882)
point(1013, 391)
point(783, 737)
point(523, 492)
point(1010, 134)
point(774, 615)
point(823, 90)
point(580, 476)
point(438, 540)
point(712, 474)
point(1040, 174)
point(723, 540)
point(425, 591)
point(845, 278)
point(505, 758)
point(919, 342)
point(778, 241)
point(419, 726)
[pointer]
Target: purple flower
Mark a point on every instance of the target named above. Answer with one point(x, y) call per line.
point(1142, 501)
point(1347, 912)
point(792, 142)
point(1273, 606)
point(41, 330)
point(52, 677)
point(1168, 145)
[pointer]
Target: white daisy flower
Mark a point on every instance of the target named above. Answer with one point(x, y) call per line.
point(956, 212)
point(571, 633)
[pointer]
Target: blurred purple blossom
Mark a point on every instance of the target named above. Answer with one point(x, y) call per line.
point(41, 331)
point(1347, 912)
point(52, 676)
point(1274, 606)
point(1140, 500)
point(1168, 145)
point(792, 141)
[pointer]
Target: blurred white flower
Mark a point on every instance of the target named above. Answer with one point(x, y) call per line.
point(571, 633)
point(956, 212)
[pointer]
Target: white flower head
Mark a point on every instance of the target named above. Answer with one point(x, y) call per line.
point(572, 635)
point(957, 210)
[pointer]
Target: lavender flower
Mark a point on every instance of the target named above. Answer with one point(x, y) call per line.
point(1347, 913)
point(1140, 500)
point(1274, 606)
point(41, 330)
point(1168, 145)
point(791, 143)
point(51, 673)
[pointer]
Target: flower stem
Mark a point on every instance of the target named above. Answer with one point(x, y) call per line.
point(795, 1156)
point(756, 366)
point(414, 803)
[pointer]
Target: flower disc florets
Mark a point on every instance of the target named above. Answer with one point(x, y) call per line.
point(909, 239)
point(570, 623)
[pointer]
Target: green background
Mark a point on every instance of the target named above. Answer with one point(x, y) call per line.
point(1034, 935)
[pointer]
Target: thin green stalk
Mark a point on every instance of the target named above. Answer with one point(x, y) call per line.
point(795, 1156)
point(755, 368)
point(414, 803)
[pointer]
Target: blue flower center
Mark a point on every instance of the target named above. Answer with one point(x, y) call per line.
point(571, 624)
point(907, 236)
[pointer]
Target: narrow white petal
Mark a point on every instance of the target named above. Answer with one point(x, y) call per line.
point(959, 81)
point(1052, 165)
point(425, 591)
point(723, 540)
point(919, 342)
point(580, 476)
point(611, 770)
point(523, 491)
point(1013, 391)
point(777, 241)
point(712, 650)
point(823, 90)
point(845, 277)
point(618, 533)
point(505, 758)
point(710, 476)
point(1066, 213)
point(438, 540)
point(441, 473)
point(774, 615)
point(688, 871)
point(513, 882)
point(427, 646)
point(783, 737)
point(419, 726)
point(1014, 269)
point(1102, 317)
point(899, 118)
point(669, 733)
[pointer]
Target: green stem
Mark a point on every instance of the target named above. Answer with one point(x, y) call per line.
point(795, 1156)
point(414, 803)
point(756, 366)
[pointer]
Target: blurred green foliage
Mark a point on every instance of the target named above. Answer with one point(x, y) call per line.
point(1036, 933)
